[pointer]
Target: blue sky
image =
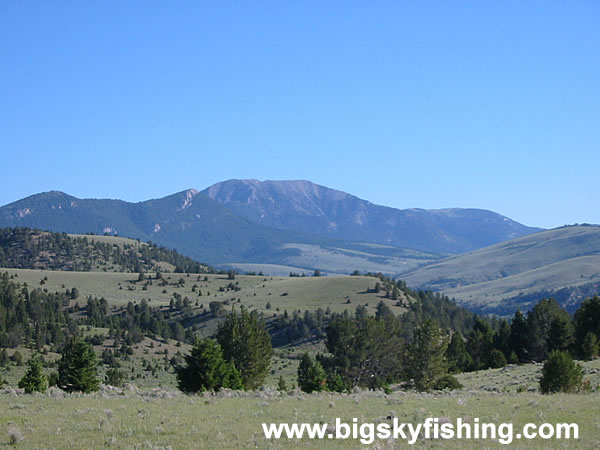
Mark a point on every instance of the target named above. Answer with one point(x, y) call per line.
point(428, 104)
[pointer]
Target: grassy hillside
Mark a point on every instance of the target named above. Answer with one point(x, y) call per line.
point(562, 262)
point(291, 293)
point(364, 257)
point(342, 259)
point(272, 296)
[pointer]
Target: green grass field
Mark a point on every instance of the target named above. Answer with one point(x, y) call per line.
point(162, 418)
point(291, 293)
point(121, 241)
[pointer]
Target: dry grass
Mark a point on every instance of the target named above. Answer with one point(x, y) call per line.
point(162, 418)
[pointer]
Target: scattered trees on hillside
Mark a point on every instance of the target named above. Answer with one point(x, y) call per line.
point(27, 248)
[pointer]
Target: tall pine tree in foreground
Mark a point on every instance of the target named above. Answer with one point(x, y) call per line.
point(77, 369)
point(247, 344)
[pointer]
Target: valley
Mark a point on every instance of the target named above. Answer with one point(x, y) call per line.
point(563, 263)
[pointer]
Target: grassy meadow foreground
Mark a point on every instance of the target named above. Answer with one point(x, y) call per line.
point(166, 418)
point(169, 419)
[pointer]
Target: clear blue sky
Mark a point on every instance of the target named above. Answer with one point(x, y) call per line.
point(426, 104)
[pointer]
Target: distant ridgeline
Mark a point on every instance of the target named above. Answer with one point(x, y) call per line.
point(25, 248)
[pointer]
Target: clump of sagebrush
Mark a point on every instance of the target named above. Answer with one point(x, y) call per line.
point(14, 434)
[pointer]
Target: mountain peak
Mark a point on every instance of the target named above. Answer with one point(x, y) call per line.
point(301, 205)
point(298, 206)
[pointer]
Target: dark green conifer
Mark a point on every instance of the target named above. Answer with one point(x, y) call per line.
point(34, 379)
point(77, 369)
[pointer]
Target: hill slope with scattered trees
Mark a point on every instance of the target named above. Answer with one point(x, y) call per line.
point(26, 248)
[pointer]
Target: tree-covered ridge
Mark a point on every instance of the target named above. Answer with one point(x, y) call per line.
point(36, 318)
point(26, 248)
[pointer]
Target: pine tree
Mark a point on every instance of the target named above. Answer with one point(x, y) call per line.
point(247, 344)
point(34, 379)
point(587, 320)
point(480, 344)
point(560, 374)
point(77, 369)
point(17, 358)
point(115, 377)
point(590, 346)
point(560, 334)
point(458, 358)
point(425, 360)
point(547, 316)
point(3, 357)
point(518, 336)
point(496, 359)
point(364, 351)
point(207, 370)
point(311, 375)
point(502, 338)
point(335, 382)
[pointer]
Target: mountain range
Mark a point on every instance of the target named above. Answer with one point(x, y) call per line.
point(486, 261)
point(311, 208)
point(295, 224)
